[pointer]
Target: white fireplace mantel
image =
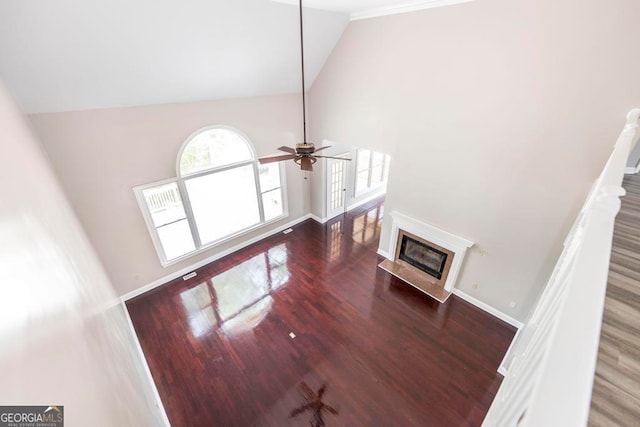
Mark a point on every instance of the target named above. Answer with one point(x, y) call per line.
point(455, 244)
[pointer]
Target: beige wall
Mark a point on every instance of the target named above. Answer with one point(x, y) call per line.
point(100, 155)
point(64, 340)
point(498, 115)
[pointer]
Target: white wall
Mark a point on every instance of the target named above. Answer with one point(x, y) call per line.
point(498, 115)
point(100, 155)
point(62, 341)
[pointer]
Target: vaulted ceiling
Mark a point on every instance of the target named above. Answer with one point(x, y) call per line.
point(62, 55)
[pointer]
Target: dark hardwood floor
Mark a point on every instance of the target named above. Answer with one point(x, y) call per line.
point(368, 349)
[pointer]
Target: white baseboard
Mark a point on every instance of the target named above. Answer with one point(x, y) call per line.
point(318, 219)
point(630, 170)
point(503, 369)
point(493, 311)
point(172, 276)
point(384, 253)
point(156, 394)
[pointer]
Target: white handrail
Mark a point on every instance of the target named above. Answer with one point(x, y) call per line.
point(551, 365)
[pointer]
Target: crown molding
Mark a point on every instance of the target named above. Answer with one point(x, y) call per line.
point(411, 6)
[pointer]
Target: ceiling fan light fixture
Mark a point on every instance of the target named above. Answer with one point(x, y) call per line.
point(304, 159)
point(305, 148)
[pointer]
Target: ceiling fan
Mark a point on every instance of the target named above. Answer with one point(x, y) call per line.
point(304, 154)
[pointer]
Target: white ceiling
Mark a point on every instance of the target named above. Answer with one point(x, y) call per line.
point(63, 55)
point(361, 9)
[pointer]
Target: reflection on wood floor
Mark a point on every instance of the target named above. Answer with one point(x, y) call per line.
point(306, 320)
point(616, 388)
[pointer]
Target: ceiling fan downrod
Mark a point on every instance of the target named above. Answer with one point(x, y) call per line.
point(304, 153)
point(304, 103)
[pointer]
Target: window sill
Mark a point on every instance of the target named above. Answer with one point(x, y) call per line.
point(223, 240)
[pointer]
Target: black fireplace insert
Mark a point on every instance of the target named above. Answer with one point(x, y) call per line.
point(422, 256)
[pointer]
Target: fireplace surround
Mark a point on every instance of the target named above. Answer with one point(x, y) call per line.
point(426, 257)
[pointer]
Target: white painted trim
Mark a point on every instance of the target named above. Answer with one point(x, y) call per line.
point(384, 253)
point(156, 394)
point(317, 219)
point(327, 177)
point(410, 6)
point(172, 276)
point(503, 369)
point(486, 307)
point(148, 220)
point(440, 237)
point(630, 170)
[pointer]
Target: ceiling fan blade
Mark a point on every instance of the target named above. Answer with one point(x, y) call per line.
point(287, 149)
point(322, 148)
point(276, 158)
point(306, 164)
point(331, 157)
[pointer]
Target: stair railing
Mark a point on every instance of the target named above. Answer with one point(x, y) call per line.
point(550, 366)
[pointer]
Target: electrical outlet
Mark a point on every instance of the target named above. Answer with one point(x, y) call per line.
point(513, 304)
point(475, 286)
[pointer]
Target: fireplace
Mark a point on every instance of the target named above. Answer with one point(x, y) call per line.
point(424, 256)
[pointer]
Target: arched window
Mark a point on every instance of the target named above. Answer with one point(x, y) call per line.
point(220, 192)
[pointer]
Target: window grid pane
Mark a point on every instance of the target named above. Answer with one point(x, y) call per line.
point(362, 181)
point(337, 185)
point(372, 169)
point(223, 203)
point(164, 204)
point(363, 160)
point(271, 190)
point(272, 204)
point(269, 176)
point(214, 148)
point(377, 168)
point(176, 239)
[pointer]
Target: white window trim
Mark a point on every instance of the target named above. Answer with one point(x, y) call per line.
point(179, 180)
point(148, 220)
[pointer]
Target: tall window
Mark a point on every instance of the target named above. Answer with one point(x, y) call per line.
point(221, 191)
point(372, 170)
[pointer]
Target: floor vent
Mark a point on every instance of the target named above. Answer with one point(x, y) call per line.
point(287, 231)
point(189, 276)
